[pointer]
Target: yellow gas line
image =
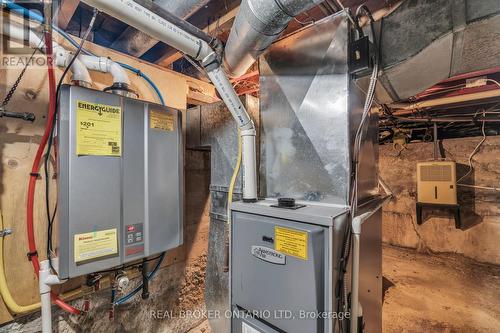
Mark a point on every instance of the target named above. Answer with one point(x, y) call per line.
point(233, 179)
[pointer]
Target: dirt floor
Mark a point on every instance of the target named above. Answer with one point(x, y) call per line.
point(435, 293)
point(202, 328)
point(439, 293)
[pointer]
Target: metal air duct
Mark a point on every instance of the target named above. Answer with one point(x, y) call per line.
point(427, 41)
point(258, 24)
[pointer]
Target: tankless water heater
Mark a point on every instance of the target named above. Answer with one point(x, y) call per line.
point(120, 180)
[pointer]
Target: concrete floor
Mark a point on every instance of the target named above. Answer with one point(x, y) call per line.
point(435, 293)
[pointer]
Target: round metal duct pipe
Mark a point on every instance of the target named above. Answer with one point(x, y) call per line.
point(257, 25)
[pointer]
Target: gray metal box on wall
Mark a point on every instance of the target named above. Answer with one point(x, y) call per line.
point(120, 180)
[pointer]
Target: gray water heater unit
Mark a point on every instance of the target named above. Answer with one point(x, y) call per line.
point(120, 180)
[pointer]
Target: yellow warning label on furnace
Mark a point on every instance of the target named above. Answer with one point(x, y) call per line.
point(291, 241)
point(95, 244)
point(161, 120)
point(98, 129)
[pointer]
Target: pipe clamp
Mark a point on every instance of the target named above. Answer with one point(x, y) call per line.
point(5, 232)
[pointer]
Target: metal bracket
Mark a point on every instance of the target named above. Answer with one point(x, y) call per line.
point(5, 232)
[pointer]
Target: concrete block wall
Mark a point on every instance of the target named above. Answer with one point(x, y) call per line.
point(480, 208)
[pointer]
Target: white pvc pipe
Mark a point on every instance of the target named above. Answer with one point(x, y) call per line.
point(249, 164)
point(355, 313)
point(229, 96)
point(247, 127)
point(79, 71)
point(105, 65)
point(46, 305)
point(152, 24)
point(61, 56)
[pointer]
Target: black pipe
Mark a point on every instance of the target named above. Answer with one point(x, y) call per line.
point(19, 115)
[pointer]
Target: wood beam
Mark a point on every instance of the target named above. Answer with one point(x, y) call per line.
point(66, 10)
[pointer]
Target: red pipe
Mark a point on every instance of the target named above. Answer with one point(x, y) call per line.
point(35, 169)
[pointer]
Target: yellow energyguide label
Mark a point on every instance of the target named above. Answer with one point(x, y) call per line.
point(92, 245)
point(291, 241)
point(161, 121)
point(98, 129)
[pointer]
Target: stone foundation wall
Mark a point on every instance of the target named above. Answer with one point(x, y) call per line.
point(480, 208)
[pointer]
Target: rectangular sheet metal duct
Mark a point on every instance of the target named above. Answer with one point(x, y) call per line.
point(310, 111)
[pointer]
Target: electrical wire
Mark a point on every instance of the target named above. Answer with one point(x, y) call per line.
point(342, 295)
point(481, 187)
point(33, 254)
point(471, 166)
point(493, 81)
point(123, 267)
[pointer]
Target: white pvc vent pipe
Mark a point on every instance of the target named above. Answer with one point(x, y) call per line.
point(105, 65)
point(62, 57)
point(157, 27)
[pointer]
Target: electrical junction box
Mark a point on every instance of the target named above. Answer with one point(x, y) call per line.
point(120, 180)
point(437, 182)
point(285, 267)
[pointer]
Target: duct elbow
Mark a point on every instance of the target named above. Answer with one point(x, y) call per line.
point(258, 24)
